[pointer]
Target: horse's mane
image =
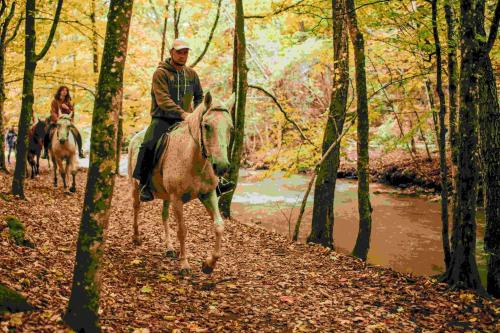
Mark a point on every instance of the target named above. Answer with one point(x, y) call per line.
point(192, 121)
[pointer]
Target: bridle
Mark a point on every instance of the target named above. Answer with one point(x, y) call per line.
point(204, 151)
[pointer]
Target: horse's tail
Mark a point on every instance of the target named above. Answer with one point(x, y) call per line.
point(133, 151)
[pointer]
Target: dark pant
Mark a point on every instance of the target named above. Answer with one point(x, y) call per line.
point(74, 130)
point(145, 158)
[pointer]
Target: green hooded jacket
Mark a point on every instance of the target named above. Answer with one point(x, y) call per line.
point(171, 89)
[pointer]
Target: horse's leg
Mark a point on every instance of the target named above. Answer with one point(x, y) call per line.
point(211, 203)
point(55, 170)
point(38, 163)
point(177, 206)
point(61, 171)
point(137, 205)
point(164, 216)
point(72, 168)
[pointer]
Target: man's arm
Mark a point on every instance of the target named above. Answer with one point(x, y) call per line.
point(162, 96)
point(197, 91)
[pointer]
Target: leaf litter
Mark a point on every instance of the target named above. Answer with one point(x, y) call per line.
point(262, 283)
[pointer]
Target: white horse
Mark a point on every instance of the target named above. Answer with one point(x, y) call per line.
point(63, 148)
point(196, 154)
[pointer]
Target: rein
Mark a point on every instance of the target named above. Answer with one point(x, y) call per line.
point(204, 152)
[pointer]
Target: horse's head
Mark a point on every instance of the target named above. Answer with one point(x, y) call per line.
point(38, 131)
point(215, 132)
point(63, 127)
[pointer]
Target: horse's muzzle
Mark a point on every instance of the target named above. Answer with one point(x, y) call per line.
point(219, 169)
point(62, 141)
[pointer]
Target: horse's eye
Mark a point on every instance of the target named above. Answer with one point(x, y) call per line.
point(206, 126)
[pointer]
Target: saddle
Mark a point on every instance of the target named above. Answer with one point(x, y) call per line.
point(162, 144)
point(160, 147)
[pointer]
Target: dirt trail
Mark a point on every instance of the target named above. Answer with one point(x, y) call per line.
point(261, 284)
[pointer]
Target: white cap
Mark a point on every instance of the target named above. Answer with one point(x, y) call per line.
point(180, 44)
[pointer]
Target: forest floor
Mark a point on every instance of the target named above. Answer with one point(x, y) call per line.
point(263, 283)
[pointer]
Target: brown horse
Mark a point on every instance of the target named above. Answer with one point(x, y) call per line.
point(36, 136)
point(63, 149)
point(196, 154)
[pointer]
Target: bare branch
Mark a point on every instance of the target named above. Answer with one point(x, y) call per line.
point(279, 11)
point(52, 32)
point(494, 28)
point(275, 100)
point(5, 24)
point(3, 8)
point(16, 30)
point(207, 44)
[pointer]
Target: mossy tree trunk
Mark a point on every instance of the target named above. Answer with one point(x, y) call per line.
point(82, 311)
point(489, 124)
point(30, 62)
point(4, 41)
point(442, 137)
point(364, 206)
point(239, 116)
point(324, 191)
point(462, 271)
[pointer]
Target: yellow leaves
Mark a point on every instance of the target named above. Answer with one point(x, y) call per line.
point(146, 289)
point(468, 298)
point(135, 262)
point(169, 277)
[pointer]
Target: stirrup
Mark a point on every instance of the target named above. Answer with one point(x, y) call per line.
point(146, 194)
point(224, 186)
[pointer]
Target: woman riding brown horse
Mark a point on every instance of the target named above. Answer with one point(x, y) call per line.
point(62, 105)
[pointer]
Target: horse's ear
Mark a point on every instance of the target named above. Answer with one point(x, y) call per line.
point(230, 101)
point(208, 100)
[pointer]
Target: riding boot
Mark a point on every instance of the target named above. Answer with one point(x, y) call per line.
point(46, 142)
point(224, 186)
point(79, 143)
point(142, 172)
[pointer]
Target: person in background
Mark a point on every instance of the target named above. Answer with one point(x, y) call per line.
point(62, 105)
point(11, 139)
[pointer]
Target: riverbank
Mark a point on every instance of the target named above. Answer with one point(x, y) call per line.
point(397, 168)
point(263, 283)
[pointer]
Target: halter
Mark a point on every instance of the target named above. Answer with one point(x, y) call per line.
point(202, 143)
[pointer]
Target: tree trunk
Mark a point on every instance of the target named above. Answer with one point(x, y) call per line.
point(26, 100)
point(239, 121)
point(442, 138)
point(95, 51)
point(324, 191)
point(364, 206)
point(452, 80)
point(462, 272)
point(489, 124)
point(177, 18)
point(83, 307)
point(3, 166)
point(31, 59)
point(164, 32)
point(432, 104)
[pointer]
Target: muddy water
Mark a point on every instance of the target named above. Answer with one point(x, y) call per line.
point(406, 230)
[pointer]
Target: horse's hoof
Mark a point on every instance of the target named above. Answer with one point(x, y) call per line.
point(206, 269)
point(72, 189)
point(171, 254)
point(137, 241)
point(185, 271)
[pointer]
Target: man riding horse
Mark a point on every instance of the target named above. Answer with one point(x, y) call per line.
point(62, 105)
point(173, 88)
